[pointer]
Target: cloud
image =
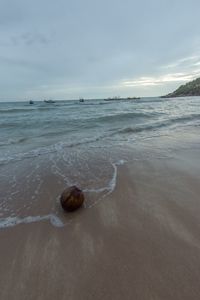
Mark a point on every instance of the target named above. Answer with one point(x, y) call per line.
point(189, 61)
point(31, 38)
point(97, 48)
point(161, 80)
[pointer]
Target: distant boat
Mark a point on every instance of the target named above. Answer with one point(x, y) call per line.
point(81, 100)
point(113, 98)
point(117, 98)
point(133, 98)
point(49, 101)
point(31, 102)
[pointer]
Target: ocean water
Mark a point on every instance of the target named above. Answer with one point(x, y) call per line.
point(31, 130)
point(68, 142)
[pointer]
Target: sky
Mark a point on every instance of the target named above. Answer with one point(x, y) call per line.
point(67, 49)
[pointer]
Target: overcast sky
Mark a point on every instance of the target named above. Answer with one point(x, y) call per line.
point(66, 49)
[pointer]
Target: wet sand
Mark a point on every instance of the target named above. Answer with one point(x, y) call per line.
point(140, 242)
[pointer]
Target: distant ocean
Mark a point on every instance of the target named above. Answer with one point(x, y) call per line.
point(77, 143)
point(30, 130)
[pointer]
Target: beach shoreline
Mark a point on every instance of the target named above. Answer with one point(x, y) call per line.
point(138, 241)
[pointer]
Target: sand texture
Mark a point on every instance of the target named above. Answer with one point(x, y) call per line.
point(141, 242)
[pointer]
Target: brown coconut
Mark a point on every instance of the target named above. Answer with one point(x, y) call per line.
point(72, 198)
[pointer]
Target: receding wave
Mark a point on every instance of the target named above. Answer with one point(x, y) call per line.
point(48, 149)
point(13, 221)
point(53, 218)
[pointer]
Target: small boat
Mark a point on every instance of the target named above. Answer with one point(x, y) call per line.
point(31, 102)
point(49, 101)
point(81, 100)
point(133, 98)
point(113, 98)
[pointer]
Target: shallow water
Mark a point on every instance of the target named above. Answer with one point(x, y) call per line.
point(31, 130)
point(46, 147)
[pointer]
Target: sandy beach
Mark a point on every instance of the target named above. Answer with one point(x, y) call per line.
point(99, 150)
point(139, 242)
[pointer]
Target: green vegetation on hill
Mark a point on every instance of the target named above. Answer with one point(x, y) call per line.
point(191, 88)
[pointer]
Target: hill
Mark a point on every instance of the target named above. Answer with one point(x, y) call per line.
point(191, 88)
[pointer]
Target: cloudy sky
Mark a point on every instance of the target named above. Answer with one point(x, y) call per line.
point(67, 49)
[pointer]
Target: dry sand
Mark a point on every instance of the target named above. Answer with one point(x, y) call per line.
point(140, 242)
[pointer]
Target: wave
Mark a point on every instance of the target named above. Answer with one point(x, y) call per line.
point(93, 139)
point(47, 150)
point(54, 219)
point(161, 124)
point(186, 118)
point(13, 221)
point(15, 110)
point(123, 116)
point(29, 109)
point(149, 100)
point(13, 141)
point(97, 103)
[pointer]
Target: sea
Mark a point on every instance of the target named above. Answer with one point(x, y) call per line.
point(45, 147)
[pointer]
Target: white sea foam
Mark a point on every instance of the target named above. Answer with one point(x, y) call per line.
point(113, 181)
point(44, 150)
point(13, 221)
point(111, 184)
